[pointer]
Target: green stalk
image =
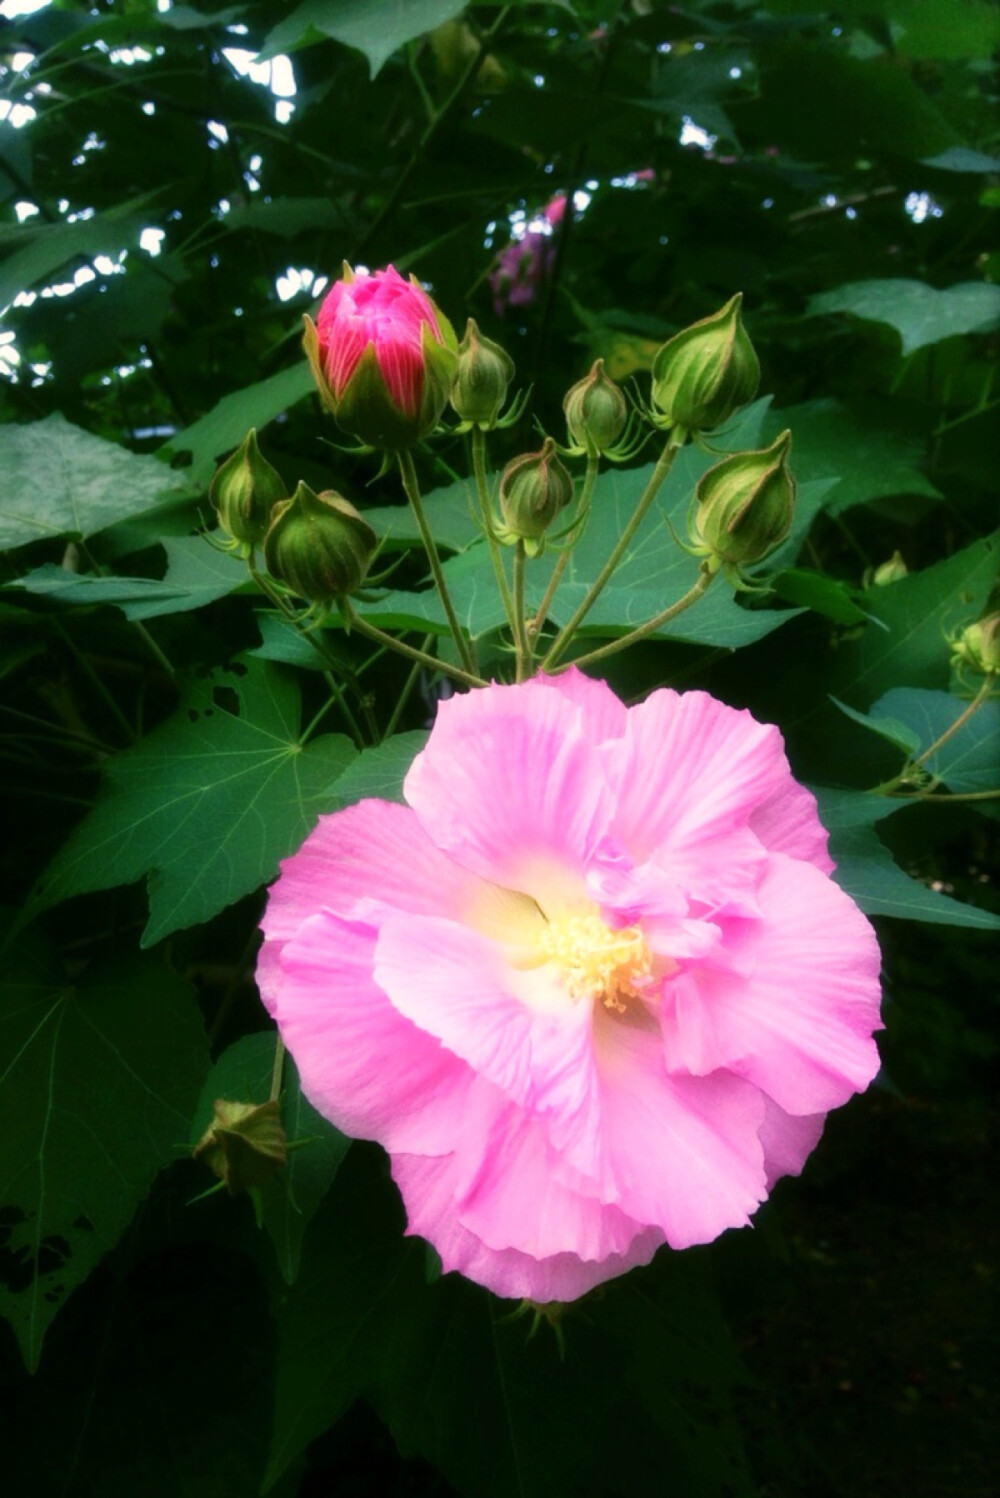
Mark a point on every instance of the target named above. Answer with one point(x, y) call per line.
point(537, 623)
point(650, 492)
point(482, 490)
point(409, 476)
point(690, 597)
point(523, 644)
point(267, 588)
point(373, 632)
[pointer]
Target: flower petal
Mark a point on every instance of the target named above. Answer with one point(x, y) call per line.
point(788, 1142)
point(362, 1065)
point(604, 714)
point(428, 1190)
point(510, 786)
point(683, 1151)
point(689, 770)
point(799, 1023)
point(457, 985)
point(372, 850)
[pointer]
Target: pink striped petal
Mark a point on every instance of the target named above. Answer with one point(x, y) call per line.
point(683, 1151)
point(362, 1065)
point(458, 986)
point(800, 1025)
point(511, 787)
point(428, 1190)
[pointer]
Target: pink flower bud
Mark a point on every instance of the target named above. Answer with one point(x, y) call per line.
point(383, 356)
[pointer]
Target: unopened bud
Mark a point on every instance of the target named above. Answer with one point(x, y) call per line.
point(596, 411)
point(482, 375)
point(707, 371)
point(743, 506)
point(892, 571)
point(533, 489)
point(244, 1145)
point(319, 545)
point(978, 646)
point(244, 491)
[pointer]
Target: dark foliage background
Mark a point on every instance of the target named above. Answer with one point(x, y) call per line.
point(841, 167)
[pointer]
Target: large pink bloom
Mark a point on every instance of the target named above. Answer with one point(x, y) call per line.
point(593, 988)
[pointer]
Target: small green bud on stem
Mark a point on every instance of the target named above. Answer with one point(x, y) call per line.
point(244, 490)
point(534, 487)
point(319, 545)
point(482, 375)
point(743, 506)
point(596, 411)
point(707, 371)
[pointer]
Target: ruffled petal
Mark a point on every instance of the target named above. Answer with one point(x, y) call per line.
point(690, 770)
point(788, 1142)
point(428, 1187)
point(788, 822)
point(604, 714)
point(511, 1188)
point(363, 1066)
point(799, 1024)
point(374, 850)
point(684, 1152)
point(511, 787)
point(458, 986)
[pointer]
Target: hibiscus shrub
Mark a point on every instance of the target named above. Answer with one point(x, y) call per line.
point(473, 804)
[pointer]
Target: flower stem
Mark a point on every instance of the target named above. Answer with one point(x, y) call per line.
point(267, 588)
point(650, 627)
point(959, 722)
point(536, 624)
point(277, 1069)
point(401, 700)
point(482, 490)
point(521, 640)
point(597, 587)
point(373, 632)
point(889, 786)
point(409, 476)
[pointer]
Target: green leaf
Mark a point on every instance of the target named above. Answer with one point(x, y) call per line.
point(957, 29)
point(286, 217)
point(61, 481)
point(375, 27)
point(288, 1202)
point(101, 1078)
point(196, 574)
point(207, 805)
point(920, 314)
point(224, 427)
point(867, 458)
point(380, 772)
point(653, 572)
point(51, 246)
point(867, 871)
point(970, 760)
point(888, 728)
point(918, 611)
point(461, 1382)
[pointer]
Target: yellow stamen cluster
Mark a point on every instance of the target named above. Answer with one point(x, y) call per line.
point(595, 961)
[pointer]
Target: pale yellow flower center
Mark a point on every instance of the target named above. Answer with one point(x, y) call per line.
point(596, 962)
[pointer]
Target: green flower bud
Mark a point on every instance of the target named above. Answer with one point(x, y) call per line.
point(707, 371)
point(244, 1145)
point(533, 489)
point(483, 372)
point(244, 491)
point(319, 545)
point(596, 411)
point(743, 506)
point(891, 571)
point(978, 646)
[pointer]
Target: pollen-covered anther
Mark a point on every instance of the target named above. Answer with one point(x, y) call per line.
point(596, 961)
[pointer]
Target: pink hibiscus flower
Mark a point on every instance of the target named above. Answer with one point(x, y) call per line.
point(593, 988)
